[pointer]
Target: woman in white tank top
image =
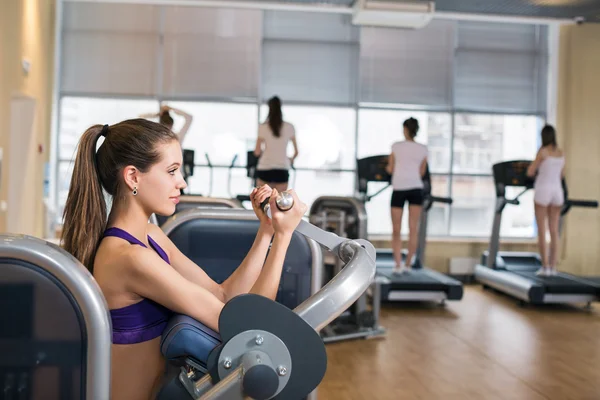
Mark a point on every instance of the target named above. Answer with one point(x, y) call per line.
point(271, 146)
point(548, 170)
point(407, 164)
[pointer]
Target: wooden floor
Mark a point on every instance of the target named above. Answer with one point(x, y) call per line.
point(483, 347)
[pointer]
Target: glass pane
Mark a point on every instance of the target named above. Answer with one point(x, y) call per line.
point(220, 129)
point(518, 221)
point(308, 184)
point(386, 126)
point(483, 140)
point(378, 210)
point(439, 214)
point(65, 172)
point(325, 135)
point(79, 113)
point(225, 183)
point(473, 206)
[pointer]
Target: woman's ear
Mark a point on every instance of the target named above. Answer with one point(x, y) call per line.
point(131, 176)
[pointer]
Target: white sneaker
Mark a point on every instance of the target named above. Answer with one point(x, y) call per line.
point(401, 270)
point(552, 271)
point(542, 272)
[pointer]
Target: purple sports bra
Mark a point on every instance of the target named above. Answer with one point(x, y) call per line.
point(141, 321)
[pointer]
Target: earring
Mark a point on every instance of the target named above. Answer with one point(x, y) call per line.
point(135, 191)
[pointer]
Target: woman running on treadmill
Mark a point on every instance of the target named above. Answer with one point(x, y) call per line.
point(142, 274)
point(548, 168)
point(407, 164)
point(271, 146)
point(165, 118)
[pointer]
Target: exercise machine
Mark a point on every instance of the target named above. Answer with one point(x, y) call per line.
point(346, 217)
point(514, 273)
point(420, 283)
point(264, 350)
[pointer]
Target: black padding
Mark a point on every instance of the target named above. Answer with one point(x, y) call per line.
point(213, 364)
point(309, 359)
point(41, 326)
point(260, 382)
point(173, 390)
point(219, 246)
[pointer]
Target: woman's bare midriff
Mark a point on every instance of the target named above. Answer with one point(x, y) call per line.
point(137, 370)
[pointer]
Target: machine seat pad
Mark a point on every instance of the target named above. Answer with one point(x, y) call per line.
point(185, 337)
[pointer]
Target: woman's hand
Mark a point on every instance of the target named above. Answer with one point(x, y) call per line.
point(285, 222)
point(257, 196)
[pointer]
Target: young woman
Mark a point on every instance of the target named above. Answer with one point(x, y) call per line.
point(165, 118)
point(548, 168)
point(143, 276)
point(271, 146)
point(407, 164)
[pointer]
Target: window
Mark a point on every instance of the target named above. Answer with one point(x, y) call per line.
point(473, 205)
point(77, 114)
point(386, 125)
point(378, 210)
point(221, 130)
point(325, 135)
point(480, 141)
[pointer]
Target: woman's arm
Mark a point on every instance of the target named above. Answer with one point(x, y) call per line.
point(149, 276)
point(423, 167)
point(295, 144)
point(150, 115)
point(258, 146)
point(186, 126)
point(532, 169)
point(389, 168)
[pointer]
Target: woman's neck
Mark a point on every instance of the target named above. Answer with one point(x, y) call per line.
point(131, 218)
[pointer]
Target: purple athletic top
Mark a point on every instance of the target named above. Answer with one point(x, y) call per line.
point(141, 321)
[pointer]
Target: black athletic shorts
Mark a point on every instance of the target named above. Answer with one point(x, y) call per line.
point(413, 196)
point(273, 175)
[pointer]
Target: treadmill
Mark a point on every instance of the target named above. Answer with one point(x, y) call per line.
point(420, 283)
point(513, 273)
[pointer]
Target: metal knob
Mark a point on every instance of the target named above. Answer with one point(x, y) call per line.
point(284, 201)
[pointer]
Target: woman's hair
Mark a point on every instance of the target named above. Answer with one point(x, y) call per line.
point(133, 142)
point(165, 119)
point(412, 126)
point(548, 136)
point(275, 115)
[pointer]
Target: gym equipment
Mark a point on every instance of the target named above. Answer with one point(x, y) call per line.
point(251, 164)
point(266, 351)
point(187, 202)
point(346, 217)
point(420, 283)
point(53, 317)
point(513, 273)
point(214, 227)
point(253, 338)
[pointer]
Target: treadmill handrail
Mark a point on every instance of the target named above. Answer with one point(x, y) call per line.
point(583, 203)
point(446, 200)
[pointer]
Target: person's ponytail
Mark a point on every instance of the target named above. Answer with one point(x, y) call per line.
point(85, 210)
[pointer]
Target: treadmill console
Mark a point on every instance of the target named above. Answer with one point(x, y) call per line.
point(372, 169)
point(511, 173)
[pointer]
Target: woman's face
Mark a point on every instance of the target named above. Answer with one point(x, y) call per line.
point(161, 186)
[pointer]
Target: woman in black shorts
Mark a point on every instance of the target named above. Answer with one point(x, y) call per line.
point(407, 164)
point(271, 148)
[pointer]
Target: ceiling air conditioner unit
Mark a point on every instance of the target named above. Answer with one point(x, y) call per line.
point(396, 14)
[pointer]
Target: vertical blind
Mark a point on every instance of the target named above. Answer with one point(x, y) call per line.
point(407, 66)
point(310, 57)
point(197, 52)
